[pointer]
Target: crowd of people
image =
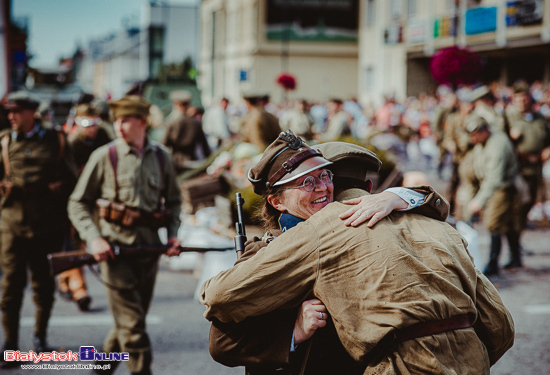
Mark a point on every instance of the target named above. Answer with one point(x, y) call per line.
point(109, 176)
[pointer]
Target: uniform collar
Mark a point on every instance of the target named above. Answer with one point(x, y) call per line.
point(125, 149)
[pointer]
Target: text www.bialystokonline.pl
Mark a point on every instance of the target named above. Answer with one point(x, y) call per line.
point(47, 366)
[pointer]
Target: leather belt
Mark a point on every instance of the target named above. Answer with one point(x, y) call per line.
point(431, 328)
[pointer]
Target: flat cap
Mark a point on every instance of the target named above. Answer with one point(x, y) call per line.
point(521, 87)
point(180, 96)
point(21, 100)
point(87, 110)
point(284, 160)
point(479, 92)
point(349, 160)
point(475, 123)
point(130, 105)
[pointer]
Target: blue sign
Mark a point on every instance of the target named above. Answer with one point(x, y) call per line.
point(481, 20)
point(243, 75)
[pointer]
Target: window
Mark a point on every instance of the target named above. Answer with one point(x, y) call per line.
point(411, 8)
point(371, 13)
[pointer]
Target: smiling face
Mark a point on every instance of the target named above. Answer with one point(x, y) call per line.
point(302, 203)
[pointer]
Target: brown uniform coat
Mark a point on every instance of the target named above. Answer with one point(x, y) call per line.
point(405, 270)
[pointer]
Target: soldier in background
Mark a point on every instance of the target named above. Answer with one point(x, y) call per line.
point(38, 175)
point(337, 122)
point(495, 166)
point(215, 124)
point(87, 136)
point(456, 141)
point(529, 132)
point(184, 136)
point(298, 120)
point(258, 127)
point(484, 106)
point(448, 104)
point(135, 176)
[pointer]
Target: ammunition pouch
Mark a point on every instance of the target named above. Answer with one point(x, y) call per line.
point(118, 213)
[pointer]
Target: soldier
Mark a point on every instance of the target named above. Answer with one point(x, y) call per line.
point(529, 132)
point(447, 105)
point(258, 127)
point(215, 124)
point(89, 135)
point(337, 122)
point(495, 166)
point(484, 106)
point(456, 141)
point(298, 120)
point(135, 178)
point(38, 175)
point(184, 136)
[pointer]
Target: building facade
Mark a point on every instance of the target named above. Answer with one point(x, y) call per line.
point(167, 35)
point(399, 37)
point(247, 44)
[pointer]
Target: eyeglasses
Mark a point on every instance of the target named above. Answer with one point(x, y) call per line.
point(310, 183)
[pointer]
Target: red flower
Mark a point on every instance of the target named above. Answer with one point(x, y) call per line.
point(455, 66)
point(287, 81)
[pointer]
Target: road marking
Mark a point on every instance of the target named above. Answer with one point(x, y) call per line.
point(83, 320)
point(537, 309)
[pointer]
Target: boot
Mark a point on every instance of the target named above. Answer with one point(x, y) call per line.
point(515, 254)
point(40, 344)
point(492, 266)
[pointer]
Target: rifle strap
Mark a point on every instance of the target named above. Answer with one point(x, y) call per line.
point(108, 285)
point(5, 155)
point(113, 157)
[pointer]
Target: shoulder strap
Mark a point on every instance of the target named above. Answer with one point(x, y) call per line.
point(160, 159)
point(61, 138)
point(113, 157)
point(5, 154)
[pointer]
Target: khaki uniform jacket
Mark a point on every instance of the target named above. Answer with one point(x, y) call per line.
point(495, 165)
point(183, 137)
point(260, 128)
point(140, 186)
point(456, 140)
point(262, 343)
point(36, 162)
point(533, 139)
point(407, 269)
point(337, 126)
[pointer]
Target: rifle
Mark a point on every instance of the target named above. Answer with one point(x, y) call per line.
point(240, 238)
point(60, 262)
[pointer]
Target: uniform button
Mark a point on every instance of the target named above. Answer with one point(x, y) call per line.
point(437, 202)
point(27, 152)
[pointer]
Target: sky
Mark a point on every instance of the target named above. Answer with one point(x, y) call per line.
point(57, 27)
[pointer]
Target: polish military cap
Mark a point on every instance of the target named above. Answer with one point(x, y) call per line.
point(21, 100)
point(130, 105)
point(87, 110)
point(349, 160)
point(284, 160)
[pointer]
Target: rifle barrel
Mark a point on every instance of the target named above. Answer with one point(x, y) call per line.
point(64, 261)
